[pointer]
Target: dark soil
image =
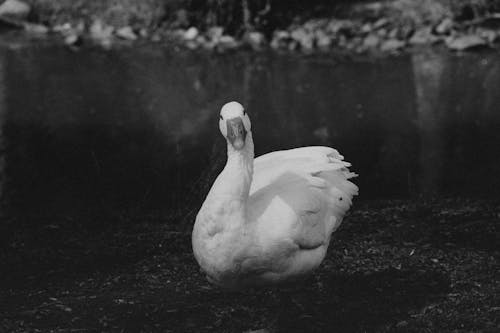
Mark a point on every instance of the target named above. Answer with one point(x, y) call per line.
point(398, 266)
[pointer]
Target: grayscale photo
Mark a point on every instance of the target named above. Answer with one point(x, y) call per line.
point(249, 166)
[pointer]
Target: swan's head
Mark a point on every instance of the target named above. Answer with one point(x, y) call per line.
point(234, 124)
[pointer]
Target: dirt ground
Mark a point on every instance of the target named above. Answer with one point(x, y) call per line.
point(393, 266)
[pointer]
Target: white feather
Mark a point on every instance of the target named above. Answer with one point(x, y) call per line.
point(275, 226)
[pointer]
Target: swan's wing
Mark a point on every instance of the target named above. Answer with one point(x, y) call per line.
point(302, 193)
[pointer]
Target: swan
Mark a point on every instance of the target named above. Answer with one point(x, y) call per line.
point(268, 220)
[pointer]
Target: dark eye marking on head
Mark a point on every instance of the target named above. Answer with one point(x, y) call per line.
point(244, 112)
point(220, 116)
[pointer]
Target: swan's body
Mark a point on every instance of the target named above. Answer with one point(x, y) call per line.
point(269, 220)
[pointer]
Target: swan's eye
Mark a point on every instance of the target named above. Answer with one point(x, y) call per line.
point(244, 112)
point(220, 116)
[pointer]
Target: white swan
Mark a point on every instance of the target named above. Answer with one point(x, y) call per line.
point(269, 220)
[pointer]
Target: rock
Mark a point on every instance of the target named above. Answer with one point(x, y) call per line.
point(15, 9)
point(143, 32)
point(392, 45)
point(62, 28)
point(214, 33)
point(227, 42)
point(323, 41)
point(371, 41)
point(465, 42)
point(72, 36)
point(36, 29)
point(489, 35)
point(280, 39)
point(423, 36)
point(336, 26)
point(191, 34)
point(255, 39)
point(126, 33)
point(100, 31)
point(192, 44)
point(293, 45)
point(304, 38)
point(380, 23)
point(366, 28)
point(382, 32)
point(73, 40)
point(444, 28)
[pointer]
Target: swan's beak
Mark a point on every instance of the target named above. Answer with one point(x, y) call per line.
point(236, 132)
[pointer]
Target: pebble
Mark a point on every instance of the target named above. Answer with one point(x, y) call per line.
point(15, 9)
point(465, 42)
point(126, 33)
point(255, 39)
point(392, 45)
point(191, 33)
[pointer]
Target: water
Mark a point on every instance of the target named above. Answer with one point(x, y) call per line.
point(136, 130)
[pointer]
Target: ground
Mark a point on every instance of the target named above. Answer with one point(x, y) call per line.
point(394, 266)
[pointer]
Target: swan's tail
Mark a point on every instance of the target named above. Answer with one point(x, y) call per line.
point(340, 190)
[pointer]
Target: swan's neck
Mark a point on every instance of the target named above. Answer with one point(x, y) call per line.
point(224, 213)
point(234, 181)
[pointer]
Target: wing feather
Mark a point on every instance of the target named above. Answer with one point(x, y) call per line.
point(313, 182)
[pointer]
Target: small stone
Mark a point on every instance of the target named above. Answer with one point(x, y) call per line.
point(280, 39)
point(392, 45)
point(444, 27)
point(191, 33)
point(335, 26)
point(304, 38)
point(323, 41)
point(380, 23)
point(371, 41)
point(192, 44)
point(37, 29)
point(282, 34)
point(126, 33)
point(214, 33)
point(489, 35)
point(293, 45)
point(367, 28)
point(465, 42)
point(15, 9)
point(227, 42)
point(382, 32)
point(255, 39)
point(62, 28)
point(423, 36)
point(100, 31)
point(73, 40)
